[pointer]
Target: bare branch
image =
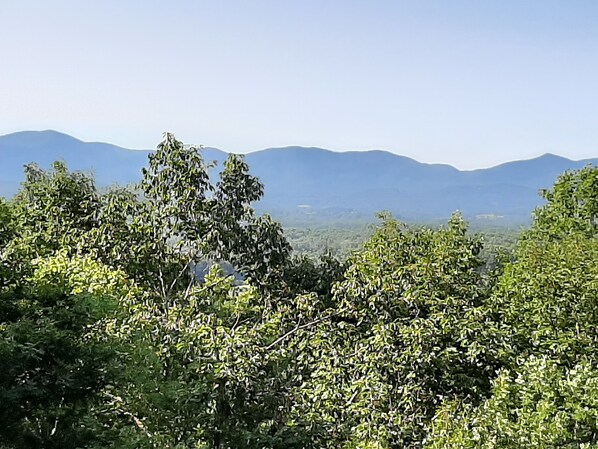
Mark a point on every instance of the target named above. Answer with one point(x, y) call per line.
point(298, 328)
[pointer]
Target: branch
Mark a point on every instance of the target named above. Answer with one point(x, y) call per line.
point(189, 285)
point(185, 267)
point(135, 419)
point(161, 278)
point(298, 328)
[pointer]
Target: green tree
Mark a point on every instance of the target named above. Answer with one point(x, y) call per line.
point(110, 337)
point(547, 300)
point(213, 372)
point(54, 354)
point(201, 221)
point(540, 405)
point(572, 205)
point(54, 208)
point(545, 303)
point(409, 329)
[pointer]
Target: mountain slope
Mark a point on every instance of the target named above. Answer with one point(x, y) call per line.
point(108, 162)
point(313, 183)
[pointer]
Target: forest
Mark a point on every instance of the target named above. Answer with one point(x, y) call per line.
point(111, 336)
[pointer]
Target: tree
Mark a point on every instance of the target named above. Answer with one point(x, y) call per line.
point(54, 355)
point(546, 304)
point(547, 300)
point(109, 337)
point(212, 374)
point(55, 208)
point(410, 328)
point(160, 232)
point(539, 405)
point(205, 221)
point(572, 205)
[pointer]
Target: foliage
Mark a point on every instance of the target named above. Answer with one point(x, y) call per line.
point(313, 242)
point(212, 376)
point(205, 221)
point(410, 329)
point(547, 299)
point(540, 405)
point(572, 205)
point(53, 209)
point(54, 357)
point(545, 302)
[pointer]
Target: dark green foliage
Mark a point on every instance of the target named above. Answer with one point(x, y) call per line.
point(309, 275)
point(548, 298)
point(54, 209)
point(46, 370)
point(53, 358)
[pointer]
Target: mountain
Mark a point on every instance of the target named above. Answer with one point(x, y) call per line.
point(313, 184)
point(109, 163)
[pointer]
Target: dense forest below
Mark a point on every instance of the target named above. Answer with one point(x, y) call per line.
point(390, 336)
point(342, 241)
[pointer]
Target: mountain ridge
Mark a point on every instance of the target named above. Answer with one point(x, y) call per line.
point(310, 182)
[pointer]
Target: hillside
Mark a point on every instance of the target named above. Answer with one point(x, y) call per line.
point(314, 184)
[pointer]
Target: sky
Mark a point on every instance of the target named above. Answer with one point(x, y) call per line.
point(468, 83)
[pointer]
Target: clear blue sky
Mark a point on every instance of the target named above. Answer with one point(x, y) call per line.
point(470, 83)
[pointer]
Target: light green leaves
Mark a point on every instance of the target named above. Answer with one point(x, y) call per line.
point(572, 205)
point(538, 405)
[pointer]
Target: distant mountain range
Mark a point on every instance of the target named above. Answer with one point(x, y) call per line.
point(316, 185)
